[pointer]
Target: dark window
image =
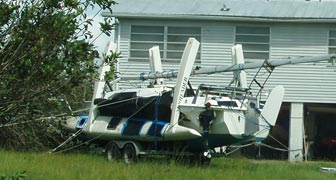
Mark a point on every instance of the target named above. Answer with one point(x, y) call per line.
point(227, 103)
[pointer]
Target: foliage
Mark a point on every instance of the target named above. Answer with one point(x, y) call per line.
point(46, 54)
point(17, 176)
point(111, 59)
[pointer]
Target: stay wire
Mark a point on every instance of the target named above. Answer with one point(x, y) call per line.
point(78, 145)
point(65, 114)
point(73, 136)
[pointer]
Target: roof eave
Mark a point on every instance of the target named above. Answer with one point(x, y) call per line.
point(218, 18)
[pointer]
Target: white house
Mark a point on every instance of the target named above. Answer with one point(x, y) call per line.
point(267, 29)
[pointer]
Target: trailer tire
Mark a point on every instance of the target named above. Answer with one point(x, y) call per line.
point(112, 152)
point(205, 161)
point(200, 159)
point(129, 154)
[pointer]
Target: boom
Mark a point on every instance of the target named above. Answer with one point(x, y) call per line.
point(230, 68)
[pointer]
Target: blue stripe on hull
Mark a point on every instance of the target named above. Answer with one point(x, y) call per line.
point(156, 128)
point(133, 127)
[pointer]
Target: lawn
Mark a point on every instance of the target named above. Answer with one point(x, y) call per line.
point(83, 166)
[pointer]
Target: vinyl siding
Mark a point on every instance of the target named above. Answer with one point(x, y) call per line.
point(216, 44)
point(303, 82)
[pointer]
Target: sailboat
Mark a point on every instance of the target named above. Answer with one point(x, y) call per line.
point(175, 120)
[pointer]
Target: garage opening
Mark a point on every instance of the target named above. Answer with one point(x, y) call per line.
point(320, 127)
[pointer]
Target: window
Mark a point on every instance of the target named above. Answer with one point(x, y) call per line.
point(177, 38)
point(171, 41)
point(145, 37)
point(255, 41)
point(332, 41)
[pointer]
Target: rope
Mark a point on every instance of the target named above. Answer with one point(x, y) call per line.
point(73, 147)
point(99, 135)
point(278, 141)
point(258, 144)
point(236, 74)
point(275, 148)
point(42, 118)
point(65, 114)
point(74, 135)
point(22, 122)
point(237, 148)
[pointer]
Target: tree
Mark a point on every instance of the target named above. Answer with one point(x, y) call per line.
point(46, 54)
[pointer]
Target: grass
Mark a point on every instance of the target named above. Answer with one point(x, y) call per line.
point(84, 166)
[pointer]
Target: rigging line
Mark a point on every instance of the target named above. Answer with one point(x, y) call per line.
point(126, 70)
point(252, 74)
point(263, 118)
point(96, 37)
point(260, 131)
point(141, 108)
point(61, 115)
point(278, 141)
point(74, 135)
point(250, 122)
point(86, 142)
point(242, 141)
point(41, 119)
point(275, 148)
point(22, 122)
point(100, 135)
point(235, 76)
point(241, 146)
point(254, 79)
point(121, 101)
point(237, 148)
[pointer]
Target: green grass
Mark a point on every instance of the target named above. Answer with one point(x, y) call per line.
point(84, 166)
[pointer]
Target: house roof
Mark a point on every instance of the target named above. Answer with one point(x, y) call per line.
point(255, 10)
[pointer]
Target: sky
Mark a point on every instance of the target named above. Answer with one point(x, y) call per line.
point(102, 40)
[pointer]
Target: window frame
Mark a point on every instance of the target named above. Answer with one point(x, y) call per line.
point(165, 43)
point(249, 42)
point(149, 43)
point(331, 38)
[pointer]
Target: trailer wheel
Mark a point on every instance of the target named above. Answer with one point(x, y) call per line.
point(130, 155)
point(112, 152)
point(205, 161)
point(200, 159)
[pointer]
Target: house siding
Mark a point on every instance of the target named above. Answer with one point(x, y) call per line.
point(217, 41)
point(303, 82)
